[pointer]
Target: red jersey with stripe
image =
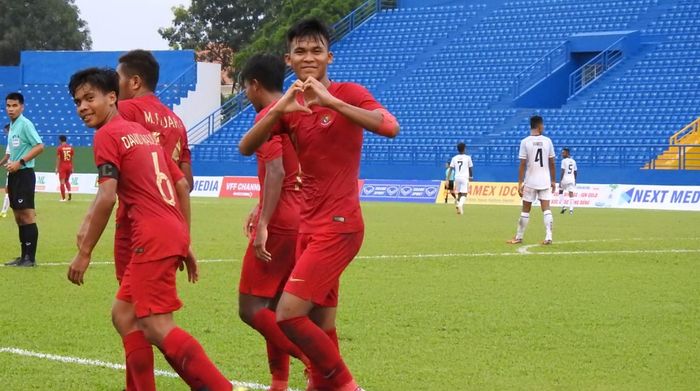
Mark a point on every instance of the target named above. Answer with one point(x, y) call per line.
point(329, 147)
point(65, 154)
point(145, 189)
point(286, 216)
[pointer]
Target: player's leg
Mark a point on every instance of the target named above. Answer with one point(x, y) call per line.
point(11, 193)
point(545, 198)
point(562, 199)
point(314, 278)
point(528, 199)
point(155, 299)
point(571, 202)
point(138, 352)
point(324, 317)
point(68, 174)
point(62, 184)
point(5, 203)
point(25, 215)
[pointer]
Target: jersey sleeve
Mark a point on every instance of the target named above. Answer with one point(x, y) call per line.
point(471, 164)
point(452, 163)
point(522, 153)
point(175, 173)
point(575, 166)
point(271, 150)
point(552, 155)
point(563, 164)
point(31, 136)
point(106, 151)
point(185, 153)
point(359, 96)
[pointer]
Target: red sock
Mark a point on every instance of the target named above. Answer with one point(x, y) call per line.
point(63, 191)
point(316, 377)
point(68, 185)
point(190, 357)
point(139, 362)
point(319, 348)
point(193, 382)
point(265, 322)
point(278, 360)
point(333, 335)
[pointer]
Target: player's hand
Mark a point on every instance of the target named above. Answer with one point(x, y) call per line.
point(315, 93)
point(521, 190)
point(13, 166)
point(259, 244)
point(250, 221)
point(77, 268)
point(554, 187)
point(190, 262)
point(288, 102)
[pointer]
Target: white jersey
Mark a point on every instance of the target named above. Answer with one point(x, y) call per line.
point(461, 164)
point(536, 151)
point(569, 167)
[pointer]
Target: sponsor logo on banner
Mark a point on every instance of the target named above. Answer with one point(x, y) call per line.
point(40, 182)
point(656, 197)
point(240, 187)
point(206, 186)
point(47, 182)
point(399, 191)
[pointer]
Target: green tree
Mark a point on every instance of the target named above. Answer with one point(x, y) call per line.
point(40, 25)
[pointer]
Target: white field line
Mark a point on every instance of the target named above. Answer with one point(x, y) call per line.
point(109, 365)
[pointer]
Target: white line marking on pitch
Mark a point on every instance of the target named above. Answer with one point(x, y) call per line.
point(105, 364)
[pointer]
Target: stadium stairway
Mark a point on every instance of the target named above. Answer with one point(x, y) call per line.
point(682, 156)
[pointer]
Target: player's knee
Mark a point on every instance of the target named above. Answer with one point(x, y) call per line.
point(246, 314)
point(124, 322)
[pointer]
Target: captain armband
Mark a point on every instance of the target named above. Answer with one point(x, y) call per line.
point(107, 170)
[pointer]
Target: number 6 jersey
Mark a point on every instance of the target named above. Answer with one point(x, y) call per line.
point(536, 151)
point(146, 181)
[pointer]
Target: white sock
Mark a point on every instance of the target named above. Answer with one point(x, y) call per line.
point(6, 203)
point(522, 224)
point(548, 223)
point(461, 201)
point(562, 201)
point(571, 204)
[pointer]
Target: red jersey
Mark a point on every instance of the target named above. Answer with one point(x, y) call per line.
point(286, 216)
point(65, 156)
point(165, 125)
point(329, 147)
point(145, 189)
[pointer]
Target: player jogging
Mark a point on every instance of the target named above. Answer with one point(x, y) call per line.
point(463, 168)
point(272, 226)
point(567, 183)
point(449, 182)
point(64, 166)
point(131, 165)
point(537, 168)
point(326, 121)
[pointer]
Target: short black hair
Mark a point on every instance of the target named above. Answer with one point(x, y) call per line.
point(267, 69)
point(565, 149)
point(143, 64)
point(535, 121)
point(461, 147)
point(104, 79)
point(6, 127)
point(62, 138)
point(309, 28)
point(15, 96)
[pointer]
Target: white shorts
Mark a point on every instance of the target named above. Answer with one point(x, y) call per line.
point(461, 185)
point(567, 187)
point(530, 194)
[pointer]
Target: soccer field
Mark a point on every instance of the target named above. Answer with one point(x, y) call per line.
point(435, 301)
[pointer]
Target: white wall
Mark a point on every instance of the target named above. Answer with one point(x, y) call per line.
point(205, 98)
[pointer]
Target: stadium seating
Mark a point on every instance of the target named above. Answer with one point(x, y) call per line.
point(446, 73)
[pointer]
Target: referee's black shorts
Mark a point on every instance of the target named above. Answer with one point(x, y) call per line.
point(20, 188)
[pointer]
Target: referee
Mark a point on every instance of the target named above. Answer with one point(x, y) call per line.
point(24, 146)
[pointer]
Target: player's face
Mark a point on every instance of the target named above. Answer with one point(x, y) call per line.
point(309, 56)
point(126, 84)
point(94, 106)
point(251, 91)
point(565, 154)
point(13, 108)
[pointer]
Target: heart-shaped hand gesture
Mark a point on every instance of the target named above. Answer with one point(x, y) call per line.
point(288, 102)
point(315, 93)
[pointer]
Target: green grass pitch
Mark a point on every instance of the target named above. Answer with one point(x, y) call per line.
point(435, 301)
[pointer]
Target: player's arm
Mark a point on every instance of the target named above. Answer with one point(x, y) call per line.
point(58, 160)
point(575, 175)
point(34, 152)
point(261, 130)
point(553, 173)
point(4, 159)
point(186, 169)
point(449, 173)
point(274, 176)
point(521, 176)
point(94, 225)
point(471, 172)
point(563, 171)
point(378, 121)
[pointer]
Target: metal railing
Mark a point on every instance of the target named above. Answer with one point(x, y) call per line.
point(219, 117)
point(596, 67)
point(183, 81)
point(679, 157)
point(540, 69)
point(691, 128)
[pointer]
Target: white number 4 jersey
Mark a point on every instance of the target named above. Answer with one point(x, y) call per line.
point(569, 167)
point(536, 151)
point(461, 163)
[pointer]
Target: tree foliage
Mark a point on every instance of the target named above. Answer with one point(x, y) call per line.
point(40, 25)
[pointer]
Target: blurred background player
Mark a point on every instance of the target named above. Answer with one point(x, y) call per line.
point(537, 168)
point(6, 201)
point(449, 182)
point(326, 120)
point(131, 164)
point(461, 167)
point(567, 183)
point(25, 145)
point(64, 166)
point(273, 225)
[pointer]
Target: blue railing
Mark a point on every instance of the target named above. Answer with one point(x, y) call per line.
point(596, 67)
point(185, 81)
point(540, 69)
point(232, 107)
point(617, 155)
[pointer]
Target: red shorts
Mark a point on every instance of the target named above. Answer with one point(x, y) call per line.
point(64, 173)
point(150, 287)
point(267, 279)
point(321, 259)
point(122, 249)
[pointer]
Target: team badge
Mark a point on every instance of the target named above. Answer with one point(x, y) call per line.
point(325, 119)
